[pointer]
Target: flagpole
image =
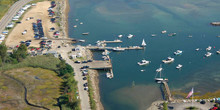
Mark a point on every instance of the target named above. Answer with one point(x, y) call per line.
point(192, 100)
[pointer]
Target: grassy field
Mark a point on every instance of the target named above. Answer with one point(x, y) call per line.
point(4, 6)
point(38, 61)
point(43, 87)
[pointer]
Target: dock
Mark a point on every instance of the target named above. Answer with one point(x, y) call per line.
point(166, 91)
point(215, 23)
point(111, 48)
point(114, 41)
point(100, 65)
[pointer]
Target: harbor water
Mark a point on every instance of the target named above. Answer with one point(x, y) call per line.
point(131, 89)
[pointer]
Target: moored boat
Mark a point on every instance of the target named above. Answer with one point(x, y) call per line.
point(118, 49)
point(143, 43)
point(130, 36)
point(172, 34)
point(178, 52)
point(75, 26)
point(208, 54)
point(109, 75)
point(209, 48)
point(159, 69)
point(159, 79)
point(168, 60)
point(197, 49)
point(143, 62)
point(164, 31)
point(153, 35)
point(85, 33)
point(120, 36)
point(179, 66)
point(218, 52)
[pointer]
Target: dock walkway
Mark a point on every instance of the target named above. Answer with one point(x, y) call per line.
point(100, 65)
point(167, 91)
point(111, 48)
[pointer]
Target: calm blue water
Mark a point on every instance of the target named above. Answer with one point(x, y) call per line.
point(105, 19)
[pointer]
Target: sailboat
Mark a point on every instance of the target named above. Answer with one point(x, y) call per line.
point(159, 79)
point(143, 43)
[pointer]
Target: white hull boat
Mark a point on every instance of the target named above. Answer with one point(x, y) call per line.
point(179, 66)
point(178, 52)
point(143, 62)
point(130, 36)
point(118, 49)
point(143, 43)
point(209, 48)
point(164, 32)
point(208, 54)
point(168, 60)
point(218, 52)
point(120, 36)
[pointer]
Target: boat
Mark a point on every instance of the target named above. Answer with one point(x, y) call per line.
point(209, 48)
point(153, 35)
point(106, 52)
point(81, 23)
point(143, 43)
point(143, 62)
point(75, 26)
point(82, 40)
point(218, 52)
point(197, 49)
point(164, 31)
point(172, 34)
point(179, 66)
point(109, 75)
point(217, 36)
point(85, 33)
point(118, 49)
point(190, 36)
point(208, 54)
point(120, 36)
point(130, 36)
point(159, 79)
point(178, 52)
point(159, 69)
point(77, 19)
point(142, 70)
point(168, 60)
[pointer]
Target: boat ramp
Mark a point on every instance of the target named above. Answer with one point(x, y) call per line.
point(166, 91)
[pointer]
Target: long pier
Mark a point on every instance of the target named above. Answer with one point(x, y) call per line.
point(114, 41)
point(100, 65)
point(167, 92)
point(111, 48)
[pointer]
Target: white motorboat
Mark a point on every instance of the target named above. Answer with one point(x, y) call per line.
point(81, 23)
point(130, 36)
point(85, 33)
point(143, 43)
point(106, 52)
point(159, 69)
point(120, 36)
point(118, 49)
point(208, 54)
point(218, 52)
point(82, 40)
point(197, 49)
point(109, 75)
point(190, 36)
point(164, 32)
point(153, 35)
point(75, 26)
point(77, 19)
point(143, 62)
point(179, 66)
point(168, 60)
point(209, 48)
point(142, 70)
point(178, 52)
point(172, 34)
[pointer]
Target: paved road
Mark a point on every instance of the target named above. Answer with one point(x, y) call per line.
point(11, 13)
point(84, 97)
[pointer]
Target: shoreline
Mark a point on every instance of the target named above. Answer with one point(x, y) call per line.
point(94, 77)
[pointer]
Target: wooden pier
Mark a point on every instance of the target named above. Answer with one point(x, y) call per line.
point(111, 48)
point(114, 41)
point(215, 23)
point(167, 92)
point(100, 65)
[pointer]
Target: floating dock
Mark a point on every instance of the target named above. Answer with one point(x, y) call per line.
point(114, 41)
point(215, 23)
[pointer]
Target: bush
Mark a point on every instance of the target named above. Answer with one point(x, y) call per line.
point(165, 106)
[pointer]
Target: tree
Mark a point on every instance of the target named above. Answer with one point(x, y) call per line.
point(20, 53)
point(64, 68)
point(3, 52)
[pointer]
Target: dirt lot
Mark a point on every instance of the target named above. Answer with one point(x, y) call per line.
point(38, 12)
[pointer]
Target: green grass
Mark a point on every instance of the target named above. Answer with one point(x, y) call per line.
point(91, 95)
point(4, 6)
point(46, 62)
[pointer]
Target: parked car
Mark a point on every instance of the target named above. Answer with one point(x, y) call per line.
point(84, 61)
point(77, 62)
point(89, 60)
point(85, 85)
point(58, 47)
point(85, 66)
point(84, 78)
